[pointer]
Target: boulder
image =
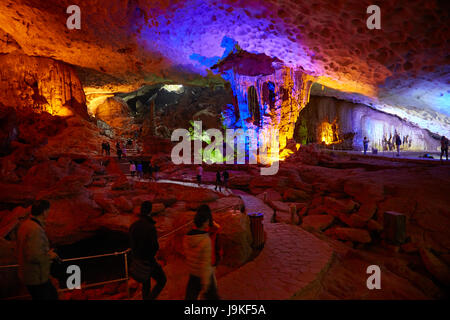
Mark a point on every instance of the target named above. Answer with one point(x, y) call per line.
point(9, 220)
point(121, 183)
point(317, 222)
point(435, 266)
point(340, 205)
point(226, 203)
point(123, 204)
point(235, 237)
point(279, 206)
point(367, 211)
point(67, 187)
point(373, 225)
point(240, 181)
point(106, 205)
point(291, 194)
point(350, 234)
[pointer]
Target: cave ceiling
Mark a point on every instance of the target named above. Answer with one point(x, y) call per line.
point(403, 68)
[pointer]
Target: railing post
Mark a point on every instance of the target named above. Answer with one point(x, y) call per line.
point(126, 274)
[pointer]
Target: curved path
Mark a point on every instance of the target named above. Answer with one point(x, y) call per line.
point(290, 260)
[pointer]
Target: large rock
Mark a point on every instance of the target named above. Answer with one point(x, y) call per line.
point(121, 183)
point(114, 111)
point(240, 181)
point(236, 237)
point(291, 194)
point(364, 191)
point(435, 266)
point(123, 204)
point(317, 222)
point(350, 234)
point(340, 205)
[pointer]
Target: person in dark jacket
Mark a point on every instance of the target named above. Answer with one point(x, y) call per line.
point(225, 177)
point(34, 254)
point(144, 246)
point(218, 181)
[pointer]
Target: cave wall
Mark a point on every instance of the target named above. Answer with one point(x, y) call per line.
point(353, 122)
point(40, 84)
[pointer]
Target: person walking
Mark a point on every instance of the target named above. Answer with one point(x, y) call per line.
point(398, 142)
point(103, 147)
point(225, 177)
point(108, 149)
point(366, 144)
point(118, 151)
point(198, 251)
point(139, 170)
point(444, 147)
point(144, 246)
point(34, 254)
point(132, 169)
point(218, 181)
point(199, 174)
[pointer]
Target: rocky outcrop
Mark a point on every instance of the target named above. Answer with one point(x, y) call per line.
point(114, 111)
point(40, 84)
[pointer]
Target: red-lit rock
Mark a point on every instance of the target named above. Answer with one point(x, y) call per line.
point(317, 222)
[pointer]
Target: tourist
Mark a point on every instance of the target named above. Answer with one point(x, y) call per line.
point(132, 168)
point(218, 181)
point(199, 174)
point(398, 142)
point(225, 177)
point(118, 151)
point(198, 252)
point(108, 149)
point(124, 150)
point(139, 170)
point(34, 254)
point(214, 230)
point(103, 147)
point(144, 246)
point(366, 144)
point(444, 147)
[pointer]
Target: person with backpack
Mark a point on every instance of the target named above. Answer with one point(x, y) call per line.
point(198, 251)
point(144, 246)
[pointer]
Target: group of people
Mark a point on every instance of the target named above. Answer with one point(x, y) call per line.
point(398, 142)
point(201, 247)
point(144, 170)
point(221, 178)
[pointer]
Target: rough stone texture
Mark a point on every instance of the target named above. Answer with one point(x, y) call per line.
point(114, 111)
point(317, 222)
point(40, 84)
point(350, 234)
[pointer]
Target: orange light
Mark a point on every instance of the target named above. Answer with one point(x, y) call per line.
point(329, 133)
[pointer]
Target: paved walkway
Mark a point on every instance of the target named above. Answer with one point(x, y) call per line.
point(290, 260)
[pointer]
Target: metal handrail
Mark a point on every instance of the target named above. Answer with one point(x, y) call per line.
point(125, 253)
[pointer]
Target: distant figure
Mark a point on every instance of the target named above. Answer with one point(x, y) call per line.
point(198, 251)
point(132, 168)
point(139, 170)
point(199, 174)
point(104, 147)
point(34, 254)
point(444, 147)
point(218, 181)
point(124, 150)
point(225, 177)
point(108, 149)
point(398, 142)
point(144, 246)
point(366, 144)
point(119, 151)
point(129, 143)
